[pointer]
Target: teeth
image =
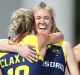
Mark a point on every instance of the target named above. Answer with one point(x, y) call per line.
point(42, 27)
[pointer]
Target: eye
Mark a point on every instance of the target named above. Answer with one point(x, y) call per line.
point(37, 18)
point(46, 17)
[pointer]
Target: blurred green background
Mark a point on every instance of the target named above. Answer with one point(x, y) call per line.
point(77, 21)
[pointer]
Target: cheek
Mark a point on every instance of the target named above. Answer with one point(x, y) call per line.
point(49, 27)
point(50, 24)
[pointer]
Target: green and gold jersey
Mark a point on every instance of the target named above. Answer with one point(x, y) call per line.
point(54, 60)
point(13, 64)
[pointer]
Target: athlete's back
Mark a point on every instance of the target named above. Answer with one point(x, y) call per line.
point(13, 64)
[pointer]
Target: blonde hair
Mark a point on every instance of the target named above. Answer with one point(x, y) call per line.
point(21, 22)
point(50, 9)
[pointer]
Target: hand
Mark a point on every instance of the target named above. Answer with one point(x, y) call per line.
point(26, 52)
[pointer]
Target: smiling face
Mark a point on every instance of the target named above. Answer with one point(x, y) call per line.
point(43, 21)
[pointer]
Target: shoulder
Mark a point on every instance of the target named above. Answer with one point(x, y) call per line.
point(77, 52)
point(29, 39)
point(68, 47)
point(66, 43)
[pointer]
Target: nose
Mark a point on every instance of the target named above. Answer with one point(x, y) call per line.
point(42, 20)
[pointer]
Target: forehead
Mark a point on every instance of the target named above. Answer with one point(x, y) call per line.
point(42, 12)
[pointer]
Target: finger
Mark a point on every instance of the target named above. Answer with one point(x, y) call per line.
point(34, 56)
point(31, 46)
point(34, 52)
point(29, 60)
point(32, 59)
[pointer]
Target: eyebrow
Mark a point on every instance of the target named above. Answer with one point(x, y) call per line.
point(43, 16)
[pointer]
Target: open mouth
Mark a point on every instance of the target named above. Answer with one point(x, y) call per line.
point(42, 26)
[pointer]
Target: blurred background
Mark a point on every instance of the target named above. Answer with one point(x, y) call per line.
point(67, 16)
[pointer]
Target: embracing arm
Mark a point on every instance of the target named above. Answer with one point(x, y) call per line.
point(56, 37)
point(45, 38)
point(4, 46)
point(23, 50)
point(71, 61)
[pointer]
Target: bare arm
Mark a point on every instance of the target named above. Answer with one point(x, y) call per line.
point(71, 61)
point(56, 37)
point(67, 71)
point(77, 52)
point(4, 46)
point(0, 72)
point(23, 50)
point(45, 38)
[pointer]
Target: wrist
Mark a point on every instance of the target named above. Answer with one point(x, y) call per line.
point(16, 48)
